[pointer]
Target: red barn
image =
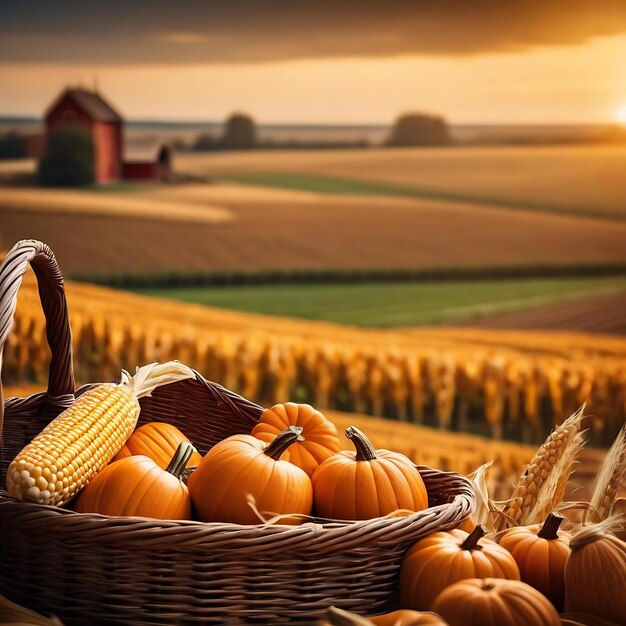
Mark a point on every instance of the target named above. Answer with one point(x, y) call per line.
point(89, 110)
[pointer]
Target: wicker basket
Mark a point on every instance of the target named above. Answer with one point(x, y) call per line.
point(122, 570)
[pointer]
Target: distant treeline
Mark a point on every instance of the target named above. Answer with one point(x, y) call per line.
point(347, 276)
point(410, 129)
point(240, 133)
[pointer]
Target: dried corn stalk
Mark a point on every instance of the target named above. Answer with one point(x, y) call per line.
point(541, 487)
point(610, 479)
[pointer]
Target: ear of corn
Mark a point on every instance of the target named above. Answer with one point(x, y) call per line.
point(541, 487)
point(76, 445)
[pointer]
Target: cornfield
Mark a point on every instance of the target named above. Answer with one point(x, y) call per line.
point(517, 390)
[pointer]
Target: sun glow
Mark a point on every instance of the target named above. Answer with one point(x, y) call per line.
point(620, 115)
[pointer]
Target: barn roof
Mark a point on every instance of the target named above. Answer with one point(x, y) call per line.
point(92, 103)
point(143, 151)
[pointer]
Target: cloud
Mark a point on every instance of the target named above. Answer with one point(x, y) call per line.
point(253, 31)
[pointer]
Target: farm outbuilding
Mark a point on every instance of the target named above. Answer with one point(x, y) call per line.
point(114, 159)
point(147, 161)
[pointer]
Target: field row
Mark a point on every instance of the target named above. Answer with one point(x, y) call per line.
point(501, 390)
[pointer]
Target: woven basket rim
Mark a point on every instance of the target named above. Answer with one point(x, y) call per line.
point(316, 526)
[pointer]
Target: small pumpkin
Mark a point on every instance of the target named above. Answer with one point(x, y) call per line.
point(595, 574)
point(443, 558)
point(137, 486)
point(540, 552)
point(320, 434)
point(242, 466)
point(157, 440)
point(477, 602)
point(367, 483)
point(339, 617)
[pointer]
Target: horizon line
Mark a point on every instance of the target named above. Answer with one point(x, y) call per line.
point(200, 122)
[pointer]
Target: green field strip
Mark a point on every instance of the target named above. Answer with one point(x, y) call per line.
point(394, 304)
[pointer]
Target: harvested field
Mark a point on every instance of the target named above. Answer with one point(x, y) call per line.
point(598, 314)
point(581, 180)
point(275, 229)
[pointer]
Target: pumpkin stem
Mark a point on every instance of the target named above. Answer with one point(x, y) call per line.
point(282, 441)
point(180, 459)
point(550, 527)
point(471, 541)
point(364, 448)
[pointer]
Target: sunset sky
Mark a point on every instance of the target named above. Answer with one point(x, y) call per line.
point(485, 61)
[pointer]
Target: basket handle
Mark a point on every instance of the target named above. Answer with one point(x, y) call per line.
point(52, 295)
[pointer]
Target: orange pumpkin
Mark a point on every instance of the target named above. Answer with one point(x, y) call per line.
point(137, 486)
point(540, 553)
point(478, 602)
point(157, 440)
point(367, 483)
point(320, 435)
point(339, 617)
point(595, 574)
point(242, 466)
point(443, 558)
